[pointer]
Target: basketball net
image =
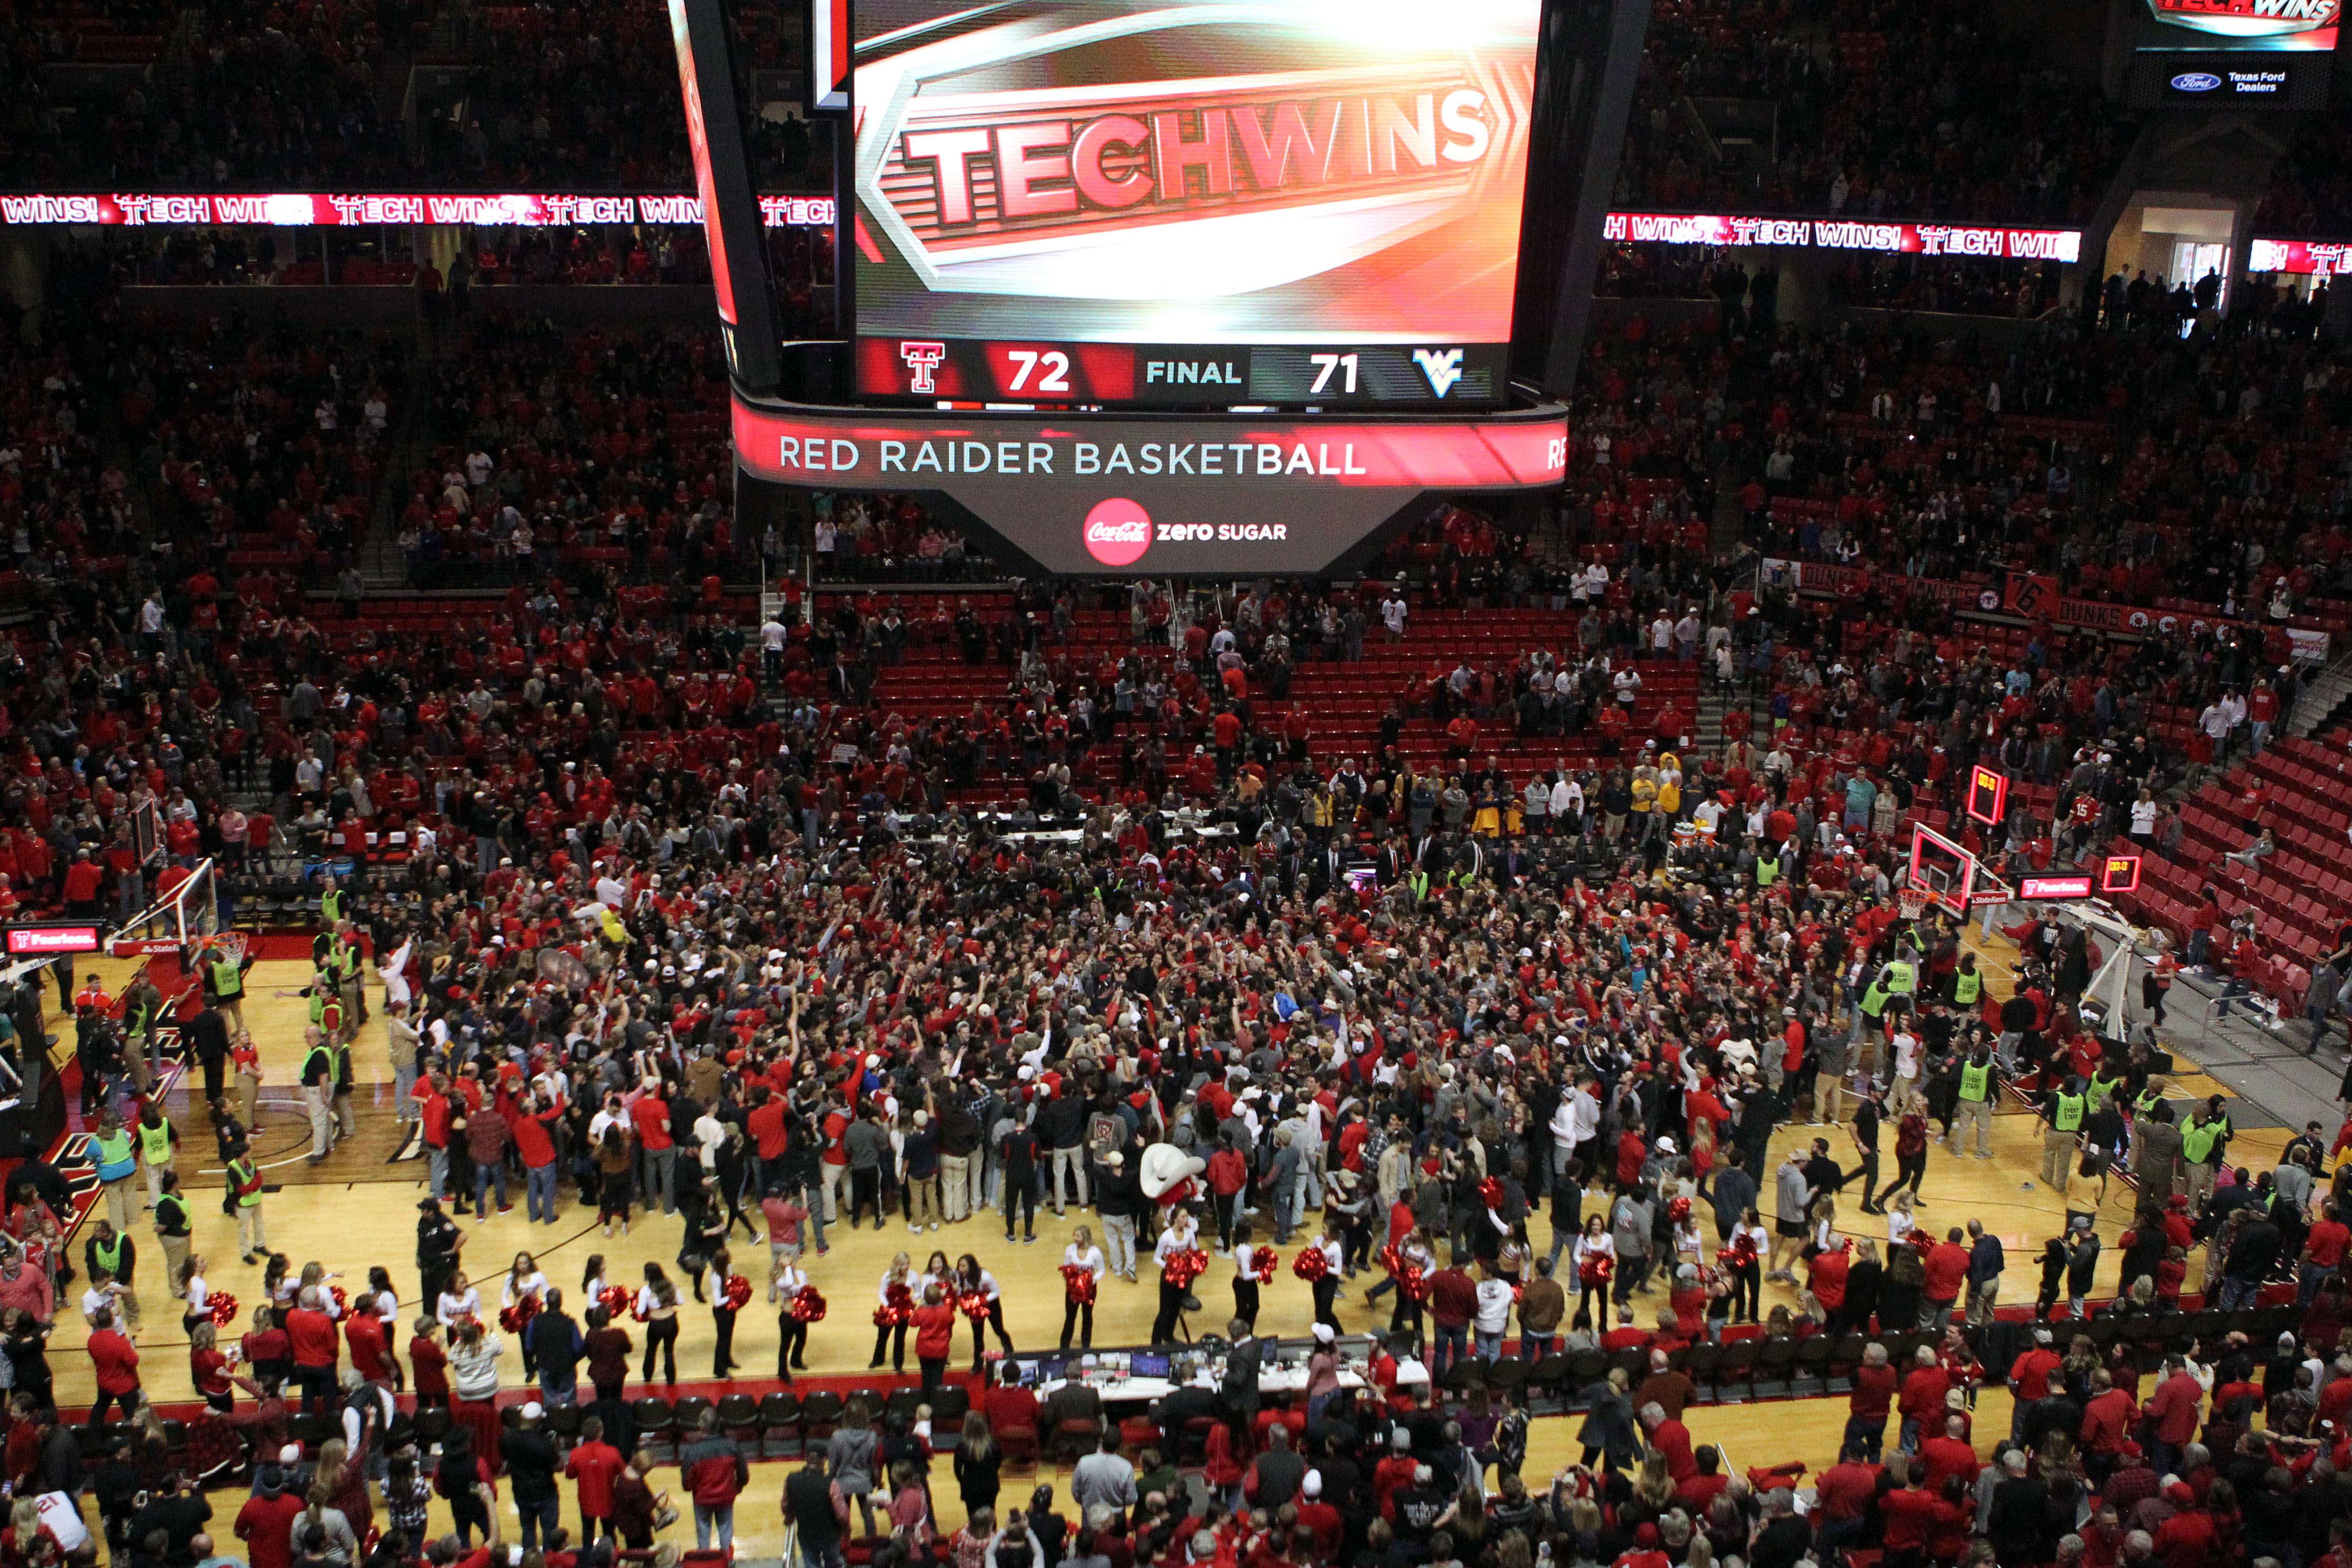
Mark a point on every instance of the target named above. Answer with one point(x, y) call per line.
point(1912, 901)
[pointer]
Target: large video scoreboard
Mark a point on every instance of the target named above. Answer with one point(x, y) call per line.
point(1190, 203)
point(1178, 286)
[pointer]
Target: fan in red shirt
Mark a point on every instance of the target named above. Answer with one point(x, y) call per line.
point(116, 1361)
point(1671, 1438)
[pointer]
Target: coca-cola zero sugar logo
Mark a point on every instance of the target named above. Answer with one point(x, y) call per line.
point(1117, 532)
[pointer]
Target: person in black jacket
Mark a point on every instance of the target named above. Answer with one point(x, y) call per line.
point(531, 1463)
point(1016, 1155)
point(1062, 1127)
point(557, 1346)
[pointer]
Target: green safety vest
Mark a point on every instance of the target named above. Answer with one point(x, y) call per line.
point(330, 907)
point(2101, 1087)
point(248, 1183)
point(228, 979)
point(316, 1054)
point(156, 1142)
point(1873, 1000)
point(319, 989)
point(1966, 986)
point(114, 1159)
point(1901, 978)
point(2197, 1141)
point(2070, 1113)
point(2149, 1099)
point(177, 1218)
point(109, 1254)
point(1767, 871)
point(1419, 881)
point(1976, 1081)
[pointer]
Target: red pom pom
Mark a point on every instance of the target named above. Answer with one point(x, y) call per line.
point(343, 1303)
point(220, 1307)
point(1491, 1192)
point(1311, 1265)
point(1679, 1210)
point(972, 1305)
point(808, 1306)
point(614, 1300)
point(1077, 1284)
point(1182, 1267)
point(1262, 1267)
point(738, 1291)
point(513, 1318)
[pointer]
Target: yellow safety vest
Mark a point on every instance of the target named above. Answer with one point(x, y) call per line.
point(155, 1141)
point(1767, 871)
point(228, 979)
point(1976, 1081)
point(2070, 1113)
point(1966, 986)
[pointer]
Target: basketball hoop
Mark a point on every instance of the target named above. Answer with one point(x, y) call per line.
point(1912, 901)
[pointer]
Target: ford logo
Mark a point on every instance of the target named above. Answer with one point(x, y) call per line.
point(2195, 81)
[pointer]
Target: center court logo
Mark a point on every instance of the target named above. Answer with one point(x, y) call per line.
point(1117, 532)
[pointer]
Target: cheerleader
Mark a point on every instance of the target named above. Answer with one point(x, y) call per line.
point(658, 1305)
point(1177, 1237)
point(792, 1334)
point(1082, 1253)
point(973, 1280)
point(275, 1286)
point(897, 1296)
point(1417, 1251)
point(939, 1271)
point(195, 1293)
point(1751, 1240)
point(524, 1282)
point(723, 1362)
point(316, 1277)
point(592, 1281)
point(1595, 1258)
point(1245, 1255)
point(208, 1368)
point(1326, 1286)
point(1688, 1247)
point(459, 1301)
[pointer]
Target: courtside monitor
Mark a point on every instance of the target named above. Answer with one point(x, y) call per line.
point(1190, 203)
point(2120, 873)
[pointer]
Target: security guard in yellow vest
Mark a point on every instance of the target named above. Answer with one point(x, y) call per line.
point(319, 1082)
point(1967, 985)
point(1979, 1081)
point(224, 973)
point(172, 1228)
point(1768, 867)
point(2063, 1116)
point(1900, 980)
point(112, 1257)
point(245, 1191)
point(334, 906)
point(157, 1137)
point(2200, 1142)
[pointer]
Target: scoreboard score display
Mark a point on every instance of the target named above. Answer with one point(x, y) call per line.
point(1190, 203)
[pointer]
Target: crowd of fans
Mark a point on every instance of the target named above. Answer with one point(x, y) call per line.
point(1530, 1070)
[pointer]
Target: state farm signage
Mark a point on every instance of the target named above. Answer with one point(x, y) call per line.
point(1082, 495)
point(1846, 233)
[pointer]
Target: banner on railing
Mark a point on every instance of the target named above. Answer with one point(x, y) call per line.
point(2031, 595)
point(2302, 258)
point(1992, 241)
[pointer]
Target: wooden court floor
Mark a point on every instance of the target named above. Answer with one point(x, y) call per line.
point(359, 1209)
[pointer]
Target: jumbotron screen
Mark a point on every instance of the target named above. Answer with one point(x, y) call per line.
point(1190, 203)
point(2252, 53)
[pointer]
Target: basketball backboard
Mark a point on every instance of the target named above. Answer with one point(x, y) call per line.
point(1943, 868)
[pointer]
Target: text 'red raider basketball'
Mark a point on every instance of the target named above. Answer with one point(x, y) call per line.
point(1196, 170)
